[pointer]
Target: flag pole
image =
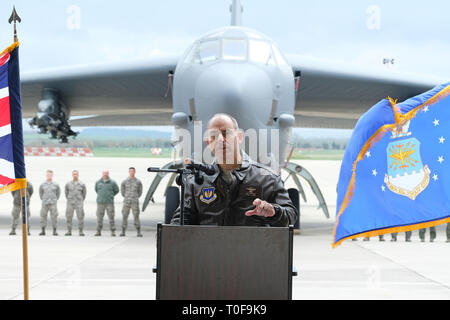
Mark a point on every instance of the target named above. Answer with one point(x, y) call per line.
point(24, 209)
point(14, 17)
point(23, 195)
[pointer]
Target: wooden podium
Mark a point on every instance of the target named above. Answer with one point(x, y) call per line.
point(224, 263)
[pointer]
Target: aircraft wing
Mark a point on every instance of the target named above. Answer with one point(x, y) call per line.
point(332, 95)
point(132, 93)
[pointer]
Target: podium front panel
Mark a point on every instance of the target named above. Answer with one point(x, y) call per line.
point(210, 262)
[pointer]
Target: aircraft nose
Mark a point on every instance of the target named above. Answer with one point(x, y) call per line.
point(241, 90)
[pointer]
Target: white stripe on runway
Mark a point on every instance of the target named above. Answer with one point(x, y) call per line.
point(7, 169)
point(4, 92)
point(5, 130)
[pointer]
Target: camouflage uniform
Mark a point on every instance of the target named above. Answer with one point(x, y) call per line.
point(407, 236)
point(106, 191)
point(75, 194)
point(448, 232)
point(17, 207)
point(380, 238)
point(131, 190)
point(49, 193)
point(432, 234)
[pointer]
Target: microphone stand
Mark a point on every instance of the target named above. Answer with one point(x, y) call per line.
point(181, 181)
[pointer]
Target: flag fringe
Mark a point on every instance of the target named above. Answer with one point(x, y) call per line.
point(380, 232)
point(400, 120)
point(10, 48)
point(16, 185)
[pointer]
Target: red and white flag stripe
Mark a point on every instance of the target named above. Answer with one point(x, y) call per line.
point(7, 175)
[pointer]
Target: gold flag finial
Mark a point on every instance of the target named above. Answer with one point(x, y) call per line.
point(15, 17)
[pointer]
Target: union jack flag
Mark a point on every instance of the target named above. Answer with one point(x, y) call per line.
point(12, 164)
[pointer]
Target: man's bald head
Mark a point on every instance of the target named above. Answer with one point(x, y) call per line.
point(220, 118)
point(105, 174)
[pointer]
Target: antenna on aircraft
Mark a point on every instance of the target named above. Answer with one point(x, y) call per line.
point(236, 10)
point(14, 17)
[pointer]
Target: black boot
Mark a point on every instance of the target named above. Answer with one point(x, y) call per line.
point(69, 232)
point(122, 234)
point(99, 233)
point(54, 232)
point(139, 234)
point(42, 232)
point(81, 233)
point(13, 232)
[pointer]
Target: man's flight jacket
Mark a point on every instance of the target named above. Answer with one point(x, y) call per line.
point(215, 202)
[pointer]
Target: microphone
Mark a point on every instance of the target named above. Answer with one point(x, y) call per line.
point(205, 168)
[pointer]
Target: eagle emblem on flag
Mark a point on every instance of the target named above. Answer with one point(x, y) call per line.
point(406, 174)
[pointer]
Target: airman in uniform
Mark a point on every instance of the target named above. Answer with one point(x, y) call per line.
point(75, 191)
point(432, 234)
point(106, 190)
point(407, 236)
point(380, 238)
point(49, 193)
point(131, 189)
point(17, 207)
point(448, 232)
point(241, 192)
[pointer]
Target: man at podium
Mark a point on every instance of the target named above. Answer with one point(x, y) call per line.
point(241, 192)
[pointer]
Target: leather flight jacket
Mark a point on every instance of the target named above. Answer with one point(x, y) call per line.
point(216, 202)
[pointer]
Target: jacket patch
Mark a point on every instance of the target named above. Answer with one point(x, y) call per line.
point(253, 192)
point(208, 195)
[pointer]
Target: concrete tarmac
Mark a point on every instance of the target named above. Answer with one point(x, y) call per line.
point(121, 268)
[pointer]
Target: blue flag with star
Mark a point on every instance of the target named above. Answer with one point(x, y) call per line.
point(395, 174)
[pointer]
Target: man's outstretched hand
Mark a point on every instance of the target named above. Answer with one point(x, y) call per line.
point(262, 208)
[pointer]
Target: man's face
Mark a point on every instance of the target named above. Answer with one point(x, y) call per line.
point(75, 175)
point(223, 139)
point(105, 174)
point(49, 176)
point(132, 172)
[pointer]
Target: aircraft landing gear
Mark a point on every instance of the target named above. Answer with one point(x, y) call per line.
point(295, 170)
point(159, 176)
point(295, 198)
point(172, 203)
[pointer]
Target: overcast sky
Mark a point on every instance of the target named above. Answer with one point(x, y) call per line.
point(59, 32)
point(67, 32)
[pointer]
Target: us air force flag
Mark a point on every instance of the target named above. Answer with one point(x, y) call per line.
point(12, 164)
point(395, 175)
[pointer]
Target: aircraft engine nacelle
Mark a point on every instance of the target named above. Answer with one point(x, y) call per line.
point(52, 116)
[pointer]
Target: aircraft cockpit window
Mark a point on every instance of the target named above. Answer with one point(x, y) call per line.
point(260, 52)
point(207, 51)
point(279, 57)
point(234, 49)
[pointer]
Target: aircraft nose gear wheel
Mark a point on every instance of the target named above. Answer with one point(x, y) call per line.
point(172, 203)
point(294, 196)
